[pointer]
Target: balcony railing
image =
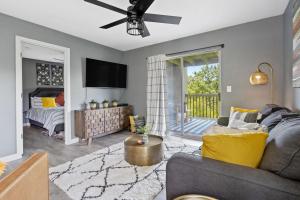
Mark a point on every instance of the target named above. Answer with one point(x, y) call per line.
point(203, 105)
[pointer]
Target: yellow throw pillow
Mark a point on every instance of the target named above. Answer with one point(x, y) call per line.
point(243, 110)
point(48, 102)
point(242, 149)
point(2, 167)
point(132, 124)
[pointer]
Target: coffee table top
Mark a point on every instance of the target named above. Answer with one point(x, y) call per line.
point(153, 140)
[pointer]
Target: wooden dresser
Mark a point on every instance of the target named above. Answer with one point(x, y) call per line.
point(101, 122)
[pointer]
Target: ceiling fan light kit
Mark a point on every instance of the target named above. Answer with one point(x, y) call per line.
point(135, 27)
point(136, 16)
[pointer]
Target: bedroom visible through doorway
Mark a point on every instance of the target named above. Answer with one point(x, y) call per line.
point(43, 83)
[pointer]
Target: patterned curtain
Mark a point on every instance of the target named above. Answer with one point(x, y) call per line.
point(157, 95)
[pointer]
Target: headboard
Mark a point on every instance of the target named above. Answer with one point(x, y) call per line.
point(45, 92)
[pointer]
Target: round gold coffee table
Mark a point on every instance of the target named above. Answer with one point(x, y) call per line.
point(194, 197)
point(145, 154)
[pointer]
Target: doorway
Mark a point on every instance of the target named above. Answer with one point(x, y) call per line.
point(194, 82)
point(21, 43)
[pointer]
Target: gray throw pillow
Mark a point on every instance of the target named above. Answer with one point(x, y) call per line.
point(268, 109)
point(273, 119)
point(282, 153)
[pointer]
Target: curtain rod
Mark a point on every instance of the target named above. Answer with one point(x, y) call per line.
point(193, 50)
point(199, 49)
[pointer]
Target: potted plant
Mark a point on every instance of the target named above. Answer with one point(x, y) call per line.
point(93, 104)
point(105, 103)
point(144, 130)
point(114, 103)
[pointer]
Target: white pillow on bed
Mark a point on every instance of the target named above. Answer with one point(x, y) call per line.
point(36, 102)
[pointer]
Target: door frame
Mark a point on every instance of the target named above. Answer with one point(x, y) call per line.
point(19, 90)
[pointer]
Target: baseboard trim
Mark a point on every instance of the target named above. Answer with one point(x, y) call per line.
point(11, 158)
point(73, 141)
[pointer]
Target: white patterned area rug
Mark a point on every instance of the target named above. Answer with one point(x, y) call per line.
point(105, 174)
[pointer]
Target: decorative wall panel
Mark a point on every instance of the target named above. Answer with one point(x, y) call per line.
point(47, 75)
point(57, 75)
point(42, 74)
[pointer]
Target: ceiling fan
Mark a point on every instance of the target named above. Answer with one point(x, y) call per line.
point(136, 16)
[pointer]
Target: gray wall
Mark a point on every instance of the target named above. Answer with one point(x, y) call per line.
point(29, 78)
point(291, 95)
point(246, 46)
point(10, 27)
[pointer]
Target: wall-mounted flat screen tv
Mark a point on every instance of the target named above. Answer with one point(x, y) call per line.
point(105, 74)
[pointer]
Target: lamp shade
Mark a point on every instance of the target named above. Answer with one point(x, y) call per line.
point(259, 78)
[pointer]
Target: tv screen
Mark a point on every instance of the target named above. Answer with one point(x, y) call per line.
point(105, 74)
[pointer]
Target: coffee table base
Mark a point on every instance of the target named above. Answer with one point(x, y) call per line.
point(143, 155)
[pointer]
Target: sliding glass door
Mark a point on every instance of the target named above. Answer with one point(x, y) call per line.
point(194, 92)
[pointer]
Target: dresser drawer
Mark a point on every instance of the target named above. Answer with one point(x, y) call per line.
point(111, 113)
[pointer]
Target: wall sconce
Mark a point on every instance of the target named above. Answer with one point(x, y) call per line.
point(261, 78)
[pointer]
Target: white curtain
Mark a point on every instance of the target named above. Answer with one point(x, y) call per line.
point(157, 95)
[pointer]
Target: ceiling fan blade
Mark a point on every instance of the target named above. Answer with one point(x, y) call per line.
point(166, 19)
point(107, 6)
point(142, 6)
point(116, 23)
point(145, 31)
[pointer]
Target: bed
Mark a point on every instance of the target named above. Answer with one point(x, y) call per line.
point(51, 119)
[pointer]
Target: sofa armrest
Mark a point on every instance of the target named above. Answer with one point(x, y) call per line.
point(188, 174)
point(223, 121)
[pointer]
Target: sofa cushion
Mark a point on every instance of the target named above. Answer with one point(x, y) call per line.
point(282, 153)
point(190, 174)
point(273, 119)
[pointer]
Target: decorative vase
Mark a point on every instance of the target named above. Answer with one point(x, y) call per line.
point(93, 106)
point(105, 105)
point(114, 104)
point(145, 138)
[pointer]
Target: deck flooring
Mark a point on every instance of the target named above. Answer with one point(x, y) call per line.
point(195, 126)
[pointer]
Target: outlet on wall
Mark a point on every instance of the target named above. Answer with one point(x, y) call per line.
point(229, 89)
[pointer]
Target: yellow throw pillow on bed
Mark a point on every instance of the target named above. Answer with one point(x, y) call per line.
point(48, 102)
point(242, 149)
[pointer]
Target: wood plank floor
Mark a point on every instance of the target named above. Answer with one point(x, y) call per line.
point(60, 153)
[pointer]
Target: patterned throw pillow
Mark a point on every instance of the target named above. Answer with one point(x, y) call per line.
point(36, 102)
point(242, 115)
point(136, 122)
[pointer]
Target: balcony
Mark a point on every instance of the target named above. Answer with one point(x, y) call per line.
point(201, 112)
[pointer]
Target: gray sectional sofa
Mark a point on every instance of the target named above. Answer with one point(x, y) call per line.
point(278, 176)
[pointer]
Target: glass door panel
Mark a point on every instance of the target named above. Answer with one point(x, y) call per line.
point(174, 80)
point(201, 85)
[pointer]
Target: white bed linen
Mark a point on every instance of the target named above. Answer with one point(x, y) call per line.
point(49, 117)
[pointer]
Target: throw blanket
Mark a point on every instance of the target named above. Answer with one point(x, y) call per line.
point(49, 117)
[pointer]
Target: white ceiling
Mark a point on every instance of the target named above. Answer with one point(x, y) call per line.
point(82, 19)
point(42, 53)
